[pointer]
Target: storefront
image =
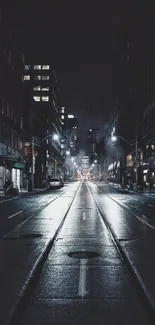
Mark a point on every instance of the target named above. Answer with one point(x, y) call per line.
point(111, 173)
point(17, 175)
point(2, 178)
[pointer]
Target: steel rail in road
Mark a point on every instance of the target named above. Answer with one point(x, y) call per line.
point(25, 295)
point(129, 211)
point(49, 201)
point(140, 289)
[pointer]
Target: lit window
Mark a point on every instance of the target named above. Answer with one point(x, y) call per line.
point(62, 110)
point(37, 67)
point(45, 98)
point(45, 77)
point(36, 98)
point(37, 88)
point(70, 116)
point(45, 89)
point(62, 116)
point(45, 67)
point(62, 146)
point(47, 141)
point(26, 77)
point(27, 67)
point(37, 78)
point(152, 146)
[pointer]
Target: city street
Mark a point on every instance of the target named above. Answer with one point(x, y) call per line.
point(77, 163)
point(86, 258)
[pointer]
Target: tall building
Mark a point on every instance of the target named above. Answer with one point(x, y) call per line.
point(85, 166)
point(68, 142)
point(71, 126)
point(41, 82)
point(11, 99)
point(93, 138)
point(132, 116)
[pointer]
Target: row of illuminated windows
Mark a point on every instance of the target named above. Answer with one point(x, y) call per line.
point(27, 77)
point(39, 88)
point(39, 98)
point(37, 67)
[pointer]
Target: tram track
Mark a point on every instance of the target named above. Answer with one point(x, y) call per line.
point(32, 281)
point(127, 209)
point(33, 214)
point(138, 284)
point(25, 294)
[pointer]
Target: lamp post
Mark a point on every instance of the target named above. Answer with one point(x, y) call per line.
point(33, 144)
point(114, 139)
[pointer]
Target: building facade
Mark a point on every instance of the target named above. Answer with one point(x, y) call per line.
point(133, 118)
point(41, 82)
point(11, 101)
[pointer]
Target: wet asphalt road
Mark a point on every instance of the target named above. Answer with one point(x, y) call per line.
point(84, 280)
point(142, 204)
point(13, 212)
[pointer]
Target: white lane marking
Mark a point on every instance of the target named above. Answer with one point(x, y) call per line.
point(141, 201)
point(84, 215)
point(82, 277)
point(15, 214)
point(144, 216)
point(150, 205)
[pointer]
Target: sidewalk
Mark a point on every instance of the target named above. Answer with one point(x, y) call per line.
point(21, 193)
point(119, 187)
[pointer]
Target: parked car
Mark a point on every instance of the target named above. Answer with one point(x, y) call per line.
point(54, 183)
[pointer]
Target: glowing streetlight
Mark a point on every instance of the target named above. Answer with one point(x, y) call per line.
point(113, 138)
point(55, 137)
point(67, 152)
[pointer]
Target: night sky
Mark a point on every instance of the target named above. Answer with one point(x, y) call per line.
point(82, 40)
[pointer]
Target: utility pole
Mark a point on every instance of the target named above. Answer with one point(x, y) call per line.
point(32, 164)
point(113, 163)
point(136, 184)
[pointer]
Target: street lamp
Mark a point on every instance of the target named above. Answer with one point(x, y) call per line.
point(55, 137)
point(67, 152)
point(33, 144)
point(114, 139)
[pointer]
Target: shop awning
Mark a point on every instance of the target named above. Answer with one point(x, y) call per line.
point(18, 165)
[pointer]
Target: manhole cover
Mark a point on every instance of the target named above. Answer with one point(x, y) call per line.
point(83, 254)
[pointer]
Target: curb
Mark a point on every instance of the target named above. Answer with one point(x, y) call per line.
point(21, 195)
